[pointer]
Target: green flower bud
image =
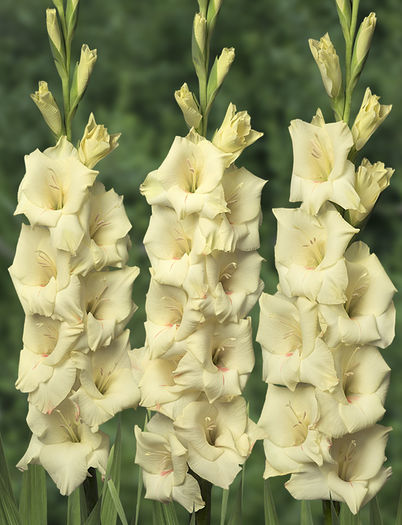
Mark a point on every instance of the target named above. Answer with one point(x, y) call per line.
point(223, 64)
point(370, 117)
point(84, 69)
point(47, 105)
point(200, 31)
point(362, 43)
point(327, 60)
point(187, 103)
point(53, 29)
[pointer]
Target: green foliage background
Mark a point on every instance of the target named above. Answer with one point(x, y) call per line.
point(144, 55)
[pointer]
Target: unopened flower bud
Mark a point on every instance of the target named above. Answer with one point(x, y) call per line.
point(96, 143)
point(188, 105)
point(369, 118)
point(47, 105)
point(200, 31)
point(86, 64)
point(327, 60)
point(362, 43)
point(224, 62)
point(53, 29)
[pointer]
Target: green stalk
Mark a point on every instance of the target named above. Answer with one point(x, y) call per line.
point(91, 490)
point(203, 516)
point(349, 40)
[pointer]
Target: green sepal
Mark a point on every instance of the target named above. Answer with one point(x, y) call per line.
point(345, 18)
point(109, 511)
point(33, 497)
point(306, 517)
point(338, 105)
point(203, 5)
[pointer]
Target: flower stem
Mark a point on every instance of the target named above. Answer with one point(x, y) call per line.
point(203, 516)
point(91, 489)
point(349, 40)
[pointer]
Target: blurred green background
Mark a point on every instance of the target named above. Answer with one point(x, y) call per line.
point(144, 55)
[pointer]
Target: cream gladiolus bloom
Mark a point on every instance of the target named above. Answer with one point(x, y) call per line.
point(356, 475)
point(289, 420)
point(371, 180)
point(52, 192)
point(371, 115)
point(96, 143)
point(309, 253)
point(321, 169)
point(235, 133)
point(358, 400)
point(188, 180)
point(106, 241)
point(107, 304)
point(65, 446)
point(219, 438)
point(293, 351)
point(163, 460)
point(46, 370)
point(39, 272)
point(107, 384)
point(327, 60)
point(368, 315)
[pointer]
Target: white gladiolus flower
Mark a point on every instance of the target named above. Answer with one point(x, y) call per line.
point(219, 438)
point(371, 180)
point(106, 241)
point(188, 180)
point(368, 315)
point(163, 460)
point(53, 191)
point(235, 133)
point(355, 476)
point(218, 361)
point(358, 401)
point(107, 384)
point(107, 304)
point(309, 254)
point(293, 351)
point(46, 370)
point(171, 317)
point(39, 271)
point(289, 421)
point(64, 446)
point(321, 169)
point(96, 143)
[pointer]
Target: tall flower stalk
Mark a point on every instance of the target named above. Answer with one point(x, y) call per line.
point(322, 332)
point(202, 242)
point(71, 275)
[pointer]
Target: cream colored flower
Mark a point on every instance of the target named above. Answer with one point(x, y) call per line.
point(106, 241)
point(168, 242)
point(107, 384)
point(163, 460)
point(289, 422)
point(188, 180)
point(171, 318)
point(47, 105)
point(96, 143)
point(187, 103)
point(327, 60)
point(219, 438)
point(321, 169)
point(371, 115)
point(235, 133)
point(357, 402)
point(53, 191)
point(39, 271)
point(84, 70)
point(356, 475)
point(309, 254)
point(293, 350)
point(368, 315)
point(46, 370)
point(371, 180)
point(218, 360)
point(64, 446)
point(107, 303)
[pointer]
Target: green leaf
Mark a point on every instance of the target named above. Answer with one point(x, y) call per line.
point(236, 517)
point(192, 521)
point(117, 502)
point(334, 515)
point(306, 518)
point(4, 472)
point(113, 470)
point(33, 498)
point(347, 518)
point(94, 517)
point(8, 508)
point(271, 517)
point(77, 507)
point(224, 505)
point(399, 513)
point(375, 514)
point(139, 494)
point(169, 513)
point(157, 514)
